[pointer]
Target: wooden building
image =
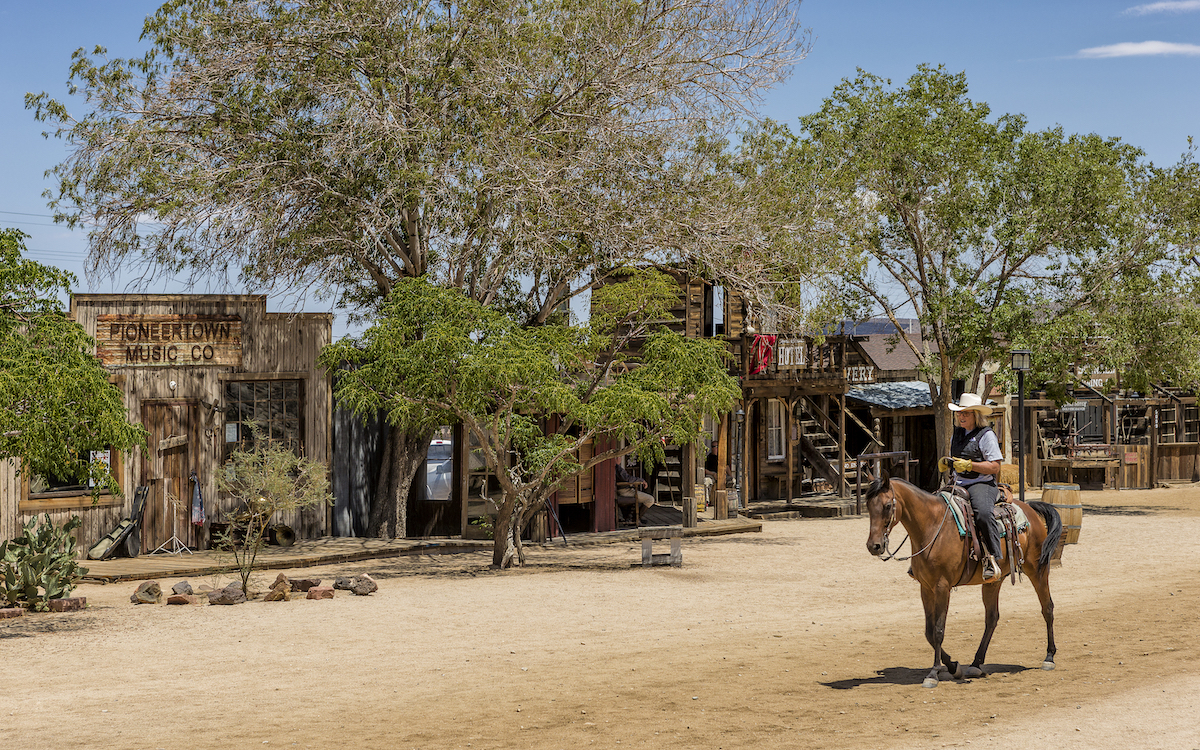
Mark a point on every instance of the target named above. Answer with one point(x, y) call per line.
point(194, 370)
point(1108, 437)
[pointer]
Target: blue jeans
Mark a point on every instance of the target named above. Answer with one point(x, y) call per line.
point(983, 502)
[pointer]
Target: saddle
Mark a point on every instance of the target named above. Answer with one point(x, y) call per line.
point(1012, 522)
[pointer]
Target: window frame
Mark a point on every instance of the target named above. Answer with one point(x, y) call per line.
point(775, 429)
point(237, 421)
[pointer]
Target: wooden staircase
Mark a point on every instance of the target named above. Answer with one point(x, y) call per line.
point(819, 446)
point(668, 485)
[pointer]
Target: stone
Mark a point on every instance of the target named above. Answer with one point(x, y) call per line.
point(183, 599)
point(7, 612)
point(278, 593)
point(304, 584)
point(73, 604)
point(320, 592)
point(282, 580)
point(231, 594)
point(363, 585)
point(343, 583)
point(183, 587)
point(148, 593)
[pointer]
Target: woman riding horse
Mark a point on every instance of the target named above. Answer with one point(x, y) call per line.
point(975, 458)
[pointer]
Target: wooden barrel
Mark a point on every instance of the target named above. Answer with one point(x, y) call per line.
point(1065, 497)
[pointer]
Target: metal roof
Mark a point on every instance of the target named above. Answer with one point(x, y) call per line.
point(906, 394)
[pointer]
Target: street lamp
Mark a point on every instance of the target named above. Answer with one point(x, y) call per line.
point(1021, 364)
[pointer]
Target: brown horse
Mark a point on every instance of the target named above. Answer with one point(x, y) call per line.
point(941, 559)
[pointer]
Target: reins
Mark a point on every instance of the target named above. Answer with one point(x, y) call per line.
point(887, 529)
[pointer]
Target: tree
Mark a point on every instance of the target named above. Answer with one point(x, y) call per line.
point(514, 150)
point(56, 404)
point(266, 479)
point(984, 230)
point(532, 396)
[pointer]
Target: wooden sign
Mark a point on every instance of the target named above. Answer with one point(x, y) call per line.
point(790, 354)
point(169, 340)
point(860, 374)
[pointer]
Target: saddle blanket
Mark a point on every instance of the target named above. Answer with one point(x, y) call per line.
point(957, 509)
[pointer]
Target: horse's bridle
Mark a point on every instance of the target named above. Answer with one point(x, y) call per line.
point(891, 524)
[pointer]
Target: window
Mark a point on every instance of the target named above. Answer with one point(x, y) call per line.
point(714, 310)
point(775, 426)
point(275, 406)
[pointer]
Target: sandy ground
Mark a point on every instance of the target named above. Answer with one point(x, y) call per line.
point(792, 638)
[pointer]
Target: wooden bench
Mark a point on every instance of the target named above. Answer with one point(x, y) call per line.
point(650, 534)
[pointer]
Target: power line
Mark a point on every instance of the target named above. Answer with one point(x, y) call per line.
point(22, 213)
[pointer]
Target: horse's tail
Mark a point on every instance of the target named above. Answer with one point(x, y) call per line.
point(1054, 530)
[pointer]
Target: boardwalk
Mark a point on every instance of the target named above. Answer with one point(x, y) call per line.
point(328, 550)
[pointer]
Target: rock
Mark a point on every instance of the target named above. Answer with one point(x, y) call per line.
point(231, 594)
point(183, 587)
point(183, 599)
point(148, 593)
point(278, 593)
point(320, 592)
point(282, 580)
point(74, 604)
point(304, 584)
point(7, 612)
point(343, 583)
point(363, 585)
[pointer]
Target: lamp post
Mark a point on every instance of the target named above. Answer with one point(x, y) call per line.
point(1021, 364)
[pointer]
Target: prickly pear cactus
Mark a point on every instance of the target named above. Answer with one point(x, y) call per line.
point(40, 564)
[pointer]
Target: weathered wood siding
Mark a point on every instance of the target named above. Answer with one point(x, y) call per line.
point(274, 346)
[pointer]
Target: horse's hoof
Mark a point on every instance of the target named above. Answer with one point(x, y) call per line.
point(960, 672)
point(1048, 665)
point(945, 675)
point(930, 682)
point(970, 672)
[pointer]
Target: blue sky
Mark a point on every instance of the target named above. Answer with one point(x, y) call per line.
point(1119, 69)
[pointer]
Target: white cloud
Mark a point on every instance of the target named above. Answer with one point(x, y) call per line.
point(1140, 49)
point(1167, 6)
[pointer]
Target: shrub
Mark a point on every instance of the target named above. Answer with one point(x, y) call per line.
point(40, 564)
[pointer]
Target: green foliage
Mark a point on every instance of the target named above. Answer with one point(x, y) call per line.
point(990, 233)
point(56, 403)
point(377, 139)
point(533, 395)
point(40, 565)
point(265, 480)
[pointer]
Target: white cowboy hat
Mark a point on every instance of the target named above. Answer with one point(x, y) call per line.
point(971, 402)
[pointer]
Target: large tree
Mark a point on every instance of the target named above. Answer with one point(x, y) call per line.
point(532, 396)
point(984, 230)
point(514, 150)
point(56, 404)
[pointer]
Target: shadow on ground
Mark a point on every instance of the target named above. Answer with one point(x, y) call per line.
point(907, 676)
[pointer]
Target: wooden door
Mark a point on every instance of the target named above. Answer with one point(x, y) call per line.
point(166, 469)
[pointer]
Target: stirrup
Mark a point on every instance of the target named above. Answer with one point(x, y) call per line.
point(990, 564)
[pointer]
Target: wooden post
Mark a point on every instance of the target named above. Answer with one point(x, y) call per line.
point(689, 512)
point(1153, 447)
point(722, 448)
point(841, 445)
point(791, 461)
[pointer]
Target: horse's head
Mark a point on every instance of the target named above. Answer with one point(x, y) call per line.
point(881, 506)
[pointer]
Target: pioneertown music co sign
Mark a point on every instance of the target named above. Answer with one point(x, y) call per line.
point(169, 340)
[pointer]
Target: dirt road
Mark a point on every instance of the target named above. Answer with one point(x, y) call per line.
point(792, 638)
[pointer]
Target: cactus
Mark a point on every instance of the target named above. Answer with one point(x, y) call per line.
point(40, 564)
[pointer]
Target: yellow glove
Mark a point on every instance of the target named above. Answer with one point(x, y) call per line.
point(944, 463)
point(961, 465)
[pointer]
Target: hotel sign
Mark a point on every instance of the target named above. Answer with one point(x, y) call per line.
point(790, 354)
point(169, 340)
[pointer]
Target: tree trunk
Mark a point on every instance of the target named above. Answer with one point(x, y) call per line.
point(404, 454)
point(944, 427)
point(507, 550)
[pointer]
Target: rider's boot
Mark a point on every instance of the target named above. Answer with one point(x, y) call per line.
point(991, 570)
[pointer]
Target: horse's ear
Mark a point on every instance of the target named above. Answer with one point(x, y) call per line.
point(884, 478)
